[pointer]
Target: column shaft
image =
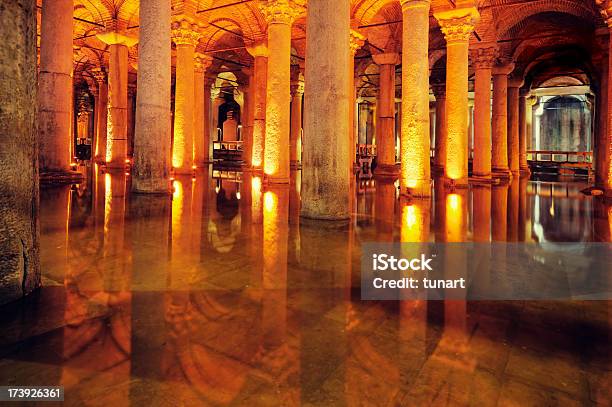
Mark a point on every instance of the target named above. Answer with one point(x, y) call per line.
point(385, 124)
point(482, 120)
point(260, 73)
point(356, 41)
point(182, 150)
point(415, 138)
point(441, 131)
point(198, 119)
point(513, 128)
point(296, 125)
point(524, 167)
point(499, 157)
point(326, 170)
point(55, 85)
point(116, 139)
point(102, 116)
point(152, 143)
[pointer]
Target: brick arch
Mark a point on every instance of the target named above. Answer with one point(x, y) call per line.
point(213, 34)
point(247, 17)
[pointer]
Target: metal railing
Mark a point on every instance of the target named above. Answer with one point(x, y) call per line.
point(228, 145)
point(366, 150)
point(574, 158)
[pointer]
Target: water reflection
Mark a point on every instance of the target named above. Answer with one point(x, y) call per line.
point(218, 294)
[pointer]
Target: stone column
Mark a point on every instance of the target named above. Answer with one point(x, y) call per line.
point(259, 52)
point(457, 26)
point(279, 15)
point(201, 139)
point(116, 137)
point(131, 113)
point(356, 41)
point(385, 109)
point(603, 145)
point(326, 170)
point(415, 139)
point(186, 36)
point(19, 233)
point(483, 59)
point(295, 149)
point(499, 160)
point(439, 91)
point(246, 117)
point(55, 85)
point(523, 112)
point(513, 125)
point(101, 115)
point(152, 143)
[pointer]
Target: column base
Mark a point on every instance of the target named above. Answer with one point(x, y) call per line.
point(295, 165)
point(422, 191)
point(502, 173)
point(386, 171)
point(525, 172)
point(484, 179)
point(451, 184)
point(275, 181)
point(59, 177)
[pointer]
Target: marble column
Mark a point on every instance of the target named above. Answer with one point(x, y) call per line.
point(499, 159)
point(246, 117)
point(200, 139)
point(415, 141)
point(326, 162)
point(152, 143)
point(186, 36)
point(514, 86)
point(295, 149)
point(259, 51)
point(457, 26)
point(439, 91)
point(131, 112)
point(280, 15)
point(19, 226)
point(483, 59)
point(385, 115)
point(101, 115)
point(523, 113)
point(55, 85)
point(356, 41)
point(603, 173)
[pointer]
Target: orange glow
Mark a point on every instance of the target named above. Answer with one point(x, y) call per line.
point(256, 183)
point(178, 157)
point(415, 222)
point(107, 201)
point(270, 203)
point(455, 218)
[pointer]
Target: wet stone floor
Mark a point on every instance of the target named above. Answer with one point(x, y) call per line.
point(221, 296)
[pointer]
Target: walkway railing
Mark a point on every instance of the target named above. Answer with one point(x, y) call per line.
point(228, 145)
point(573, 158)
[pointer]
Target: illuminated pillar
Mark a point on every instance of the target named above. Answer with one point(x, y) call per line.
point(200, 139)
point(524, 112)
point(186, 36)
point(101, 114)
point(116, 138)
point(415, 139)
point(325, 169)
point(55, 85)
point(499, 161)
point(279, 15)
point(356, 41)
point(604, 146)
point(513, 125)
point(483, 59)
point(457, 26)
point(260, 68)
point(131, 112)
point(152, 144)
point(297, 92)
point(441, 134)
point(246, 117)
point(385, 109)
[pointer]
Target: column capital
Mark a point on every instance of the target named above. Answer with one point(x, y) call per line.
point(297, 87)
point(281, 11)
point(605, 8)
point(439, 90)
point(185, 32)
point(99, 75)
point(503, 69)
point(202, 62)
point(356, 41)
point(515, 82)
point(116, 38)
point(410, 4)
point(132, 88)
point(458, 24)
point(258, 49)
point(484, 57)
point(389, 58)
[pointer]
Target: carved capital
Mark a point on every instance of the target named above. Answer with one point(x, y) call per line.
point(410, 4)
point(515, 82)
point(297, 88)
point(258, 49)
point(116, 38)
point(386, 59)
point(281, 11)
point(457, 24)
point(202, 62)
point(605, 8)
point(356, 41)
point(483, 57)
point(99, 75)
point(184, 32)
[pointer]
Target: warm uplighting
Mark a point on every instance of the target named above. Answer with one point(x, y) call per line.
point(415, 222)
point(270, 202)
point(455, 218)
point(256, 183)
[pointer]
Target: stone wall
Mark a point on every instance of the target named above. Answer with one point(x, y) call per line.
point(19, 236)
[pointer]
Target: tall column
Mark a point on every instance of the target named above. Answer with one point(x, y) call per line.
point(385, 109)
point(186, 36)
point(356, 41)
point(483, 59)
point(259, 52)
point(295, 149)
point(326, 170)
point(19, 230)
point(604, 139)
point(152, 143)
point(457, 26)
point(523, 166)
point(279, 15)
point(200, 139)
point(131, 113)
point(415, 139)
point(514, 86)
point(499, 159)
point(55, 85)
point(439, 91)
point(101, 114)
point(116, 137)
point(246, 117)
